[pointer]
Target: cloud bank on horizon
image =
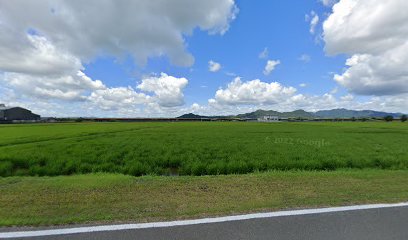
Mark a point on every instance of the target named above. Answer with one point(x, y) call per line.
point(47, 54)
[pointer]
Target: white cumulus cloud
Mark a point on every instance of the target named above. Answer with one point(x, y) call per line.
point(270, 66)
point(168, 90)
point(264, 54)
point(328, 3)
point(347, 97)
point(242, 97)
point(36, 55)
point(156, 92)
point(214, 66)
point(305, 58)
point(45, 44)
point(313, 20)
point(65, 87)
point(252, 92)
point(117, 98)
point(90, 28)
point(38, 69)
point(374, 33)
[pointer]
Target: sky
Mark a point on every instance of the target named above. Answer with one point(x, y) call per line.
point(159, 58)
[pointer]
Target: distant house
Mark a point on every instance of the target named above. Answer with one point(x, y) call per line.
point(268, 119)
point(17, 113)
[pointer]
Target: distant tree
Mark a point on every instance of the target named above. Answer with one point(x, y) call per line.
point(353, 119)
point(79, 120)
point(388, 118)
point(404, 118)
point(364, 119)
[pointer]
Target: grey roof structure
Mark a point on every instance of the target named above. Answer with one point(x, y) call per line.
point(16, 113)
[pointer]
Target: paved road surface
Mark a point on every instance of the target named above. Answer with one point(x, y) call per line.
point(372, 223)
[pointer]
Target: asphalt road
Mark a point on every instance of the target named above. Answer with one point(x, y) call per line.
point(371, 224)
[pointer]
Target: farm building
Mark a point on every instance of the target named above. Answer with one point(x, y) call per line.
point(16, 113)
point(268, 119)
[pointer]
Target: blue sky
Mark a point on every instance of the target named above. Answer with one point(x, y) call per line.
point(279, 26)
point(151, 58)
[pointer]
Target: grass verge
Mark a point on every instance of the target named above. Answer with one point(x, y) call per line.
point(103, 198)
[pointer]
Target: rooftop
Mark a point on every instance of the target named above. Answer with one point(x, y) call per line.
point(3, 107)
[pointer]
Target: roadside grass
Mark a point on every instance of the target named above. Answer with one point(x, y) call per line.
point(199, 148)
point(115, 198)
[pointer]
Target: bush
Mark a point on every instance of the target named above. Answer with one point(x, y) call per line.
point(388, 118)
point(404, 118)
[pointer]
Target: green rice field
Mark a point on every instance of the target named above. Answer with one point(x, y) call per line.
point(200, 148)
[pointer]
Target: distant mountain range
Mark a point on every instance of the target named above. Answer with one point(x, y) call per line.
point(194, 116)
point(345, 113)
point(261, 113)
point(334, 113)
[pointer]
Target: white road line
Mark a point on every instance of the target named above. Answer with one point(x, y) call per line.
point(102, 228)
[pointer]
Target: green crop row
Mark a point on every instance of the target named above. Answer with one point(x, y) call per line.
point(202, 148)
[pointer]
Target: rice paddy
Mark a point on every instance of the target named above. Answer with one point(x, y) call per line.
point(199, 148)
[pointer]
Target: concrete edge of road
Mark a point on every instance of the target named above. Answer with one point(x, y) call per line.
point(102, 228)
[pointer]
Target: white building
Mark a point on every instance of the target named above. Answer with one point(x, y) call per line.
point(268, 119)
